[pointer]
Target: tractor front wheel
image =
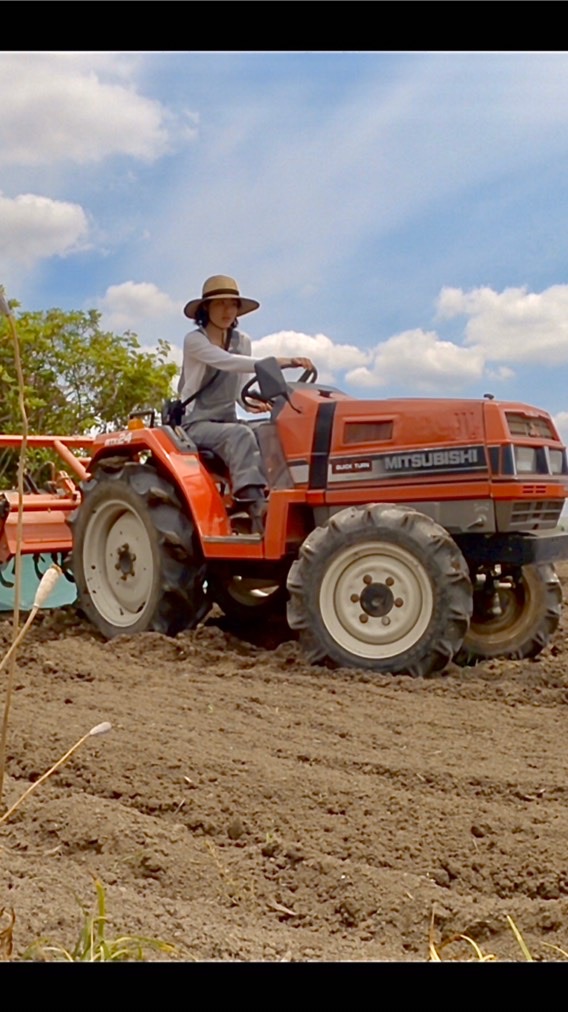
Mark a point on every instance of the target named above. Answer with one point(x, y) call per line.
point(514, 614)
point(381, 587)
point(134, 559)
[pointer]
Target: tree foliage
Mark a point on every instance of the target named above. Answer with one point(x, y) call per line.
point(78, 377)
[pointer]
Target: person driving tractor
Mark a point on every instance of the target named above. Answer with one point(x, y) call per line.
point(216, 358)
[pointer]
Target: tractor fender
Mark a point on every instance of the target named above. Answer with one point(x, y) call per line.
point(178, 463)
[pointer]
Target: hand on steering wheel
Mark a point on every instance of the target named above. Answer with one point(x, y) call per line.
point(310, 373)
point(251, 398)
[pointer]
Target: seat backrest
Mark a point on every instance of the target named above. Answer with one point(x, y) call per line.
point(213, 463)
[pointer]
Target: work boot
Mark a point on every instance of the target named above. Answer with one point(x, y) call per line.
point(249, 493)
point(253, 498)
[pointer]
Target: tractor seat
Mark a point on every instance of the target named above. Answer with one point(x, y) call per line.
point(213, 462)
point(210, 459)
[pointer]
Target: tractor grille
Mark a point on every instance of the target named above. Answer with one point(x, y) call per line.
point(523, 425)
point(367, 431)
point(536, 514)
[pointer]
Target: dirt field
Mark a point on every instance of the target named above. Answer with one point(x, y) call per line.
point(246, 806)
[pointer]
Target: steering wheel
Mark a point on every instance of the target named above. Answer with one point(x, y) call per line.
point(249, 396)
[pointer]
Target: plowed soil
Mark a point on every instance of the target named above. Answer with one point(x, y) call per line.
point(246, 806)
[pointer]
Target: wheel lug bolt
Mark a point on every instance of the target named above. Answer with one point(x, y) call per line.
point(354, 598)
point(367, 579)
point(389, 581)
point(363, 617)
point(398, 602)
point(386, 620)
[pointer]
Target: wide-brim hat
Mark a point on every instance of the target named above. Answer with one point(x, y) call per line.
point(220, 286)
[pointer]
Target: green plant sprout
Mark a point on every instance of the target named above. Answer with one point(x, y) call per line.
point(93, 945)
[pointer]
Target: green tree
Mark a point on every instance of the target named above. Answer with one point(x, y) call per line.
point(79, 378)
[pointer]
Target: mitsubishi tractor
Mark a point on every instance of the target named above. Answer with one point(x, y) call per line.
point(400, 534)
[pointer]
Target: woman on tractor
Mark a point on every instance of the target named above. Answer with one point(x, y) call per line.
point(216, 360)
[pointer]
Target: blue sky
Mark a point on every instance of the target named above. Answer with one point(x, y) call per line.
point(401, 216)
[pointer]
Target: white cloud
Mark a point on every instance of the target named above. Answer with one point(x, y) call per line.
point(304, 190)
point(422, 362)
point(35, 227)
point(416, 360)
point(142, 308)
point(135, 305)
point(514, 325)
point(57, 107)
point(561, 422)
point(329, 358)
point(501, 329)
point(500, 373)
point(312, 183)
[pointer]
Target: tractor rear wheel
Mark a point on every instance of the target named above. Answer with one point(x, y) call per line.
point(514, 614)
point(134, 559)
point(381, 587)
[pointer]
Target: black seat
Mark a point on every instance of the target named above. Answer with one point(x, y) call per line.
point(213, 462)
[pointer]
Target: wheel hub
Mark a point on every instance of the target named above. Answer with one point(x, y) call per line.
point(125, 562)
point(376, 599)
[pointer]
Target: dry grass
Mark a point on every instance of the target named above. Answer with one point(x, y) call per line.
point(6, 934)
point(98, 729)
point(466, 949)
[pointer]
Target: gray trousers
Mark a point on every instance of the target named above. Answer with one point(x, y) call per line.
point(235, 443)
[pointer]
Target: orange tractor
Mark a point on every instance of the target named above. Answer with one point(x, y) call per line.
point(399, 534)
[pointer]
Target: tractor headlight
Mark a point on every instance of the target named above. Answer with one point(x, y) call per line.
point(556, 458)
point(525, 460)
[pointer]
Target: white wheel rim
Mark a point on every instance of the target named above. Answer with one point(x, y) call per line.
point(118, 563)
point(376, 576)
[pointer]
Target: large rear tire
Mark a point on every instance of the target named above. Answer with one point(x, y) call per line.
point(380, 587)
point(135, 559)
point(514, 616)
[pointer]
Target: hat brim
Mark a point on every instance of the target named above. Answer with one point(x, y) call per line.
point(247, 305)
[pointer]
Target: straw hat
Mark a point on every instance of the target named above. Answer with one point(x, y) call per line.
point(220, 287)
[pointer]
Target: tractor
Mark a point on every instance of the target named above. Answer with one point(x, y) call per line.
point(400, 534)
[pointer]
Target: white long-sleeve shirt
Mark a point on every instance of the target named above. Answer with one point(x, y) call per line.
point(199, 352)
